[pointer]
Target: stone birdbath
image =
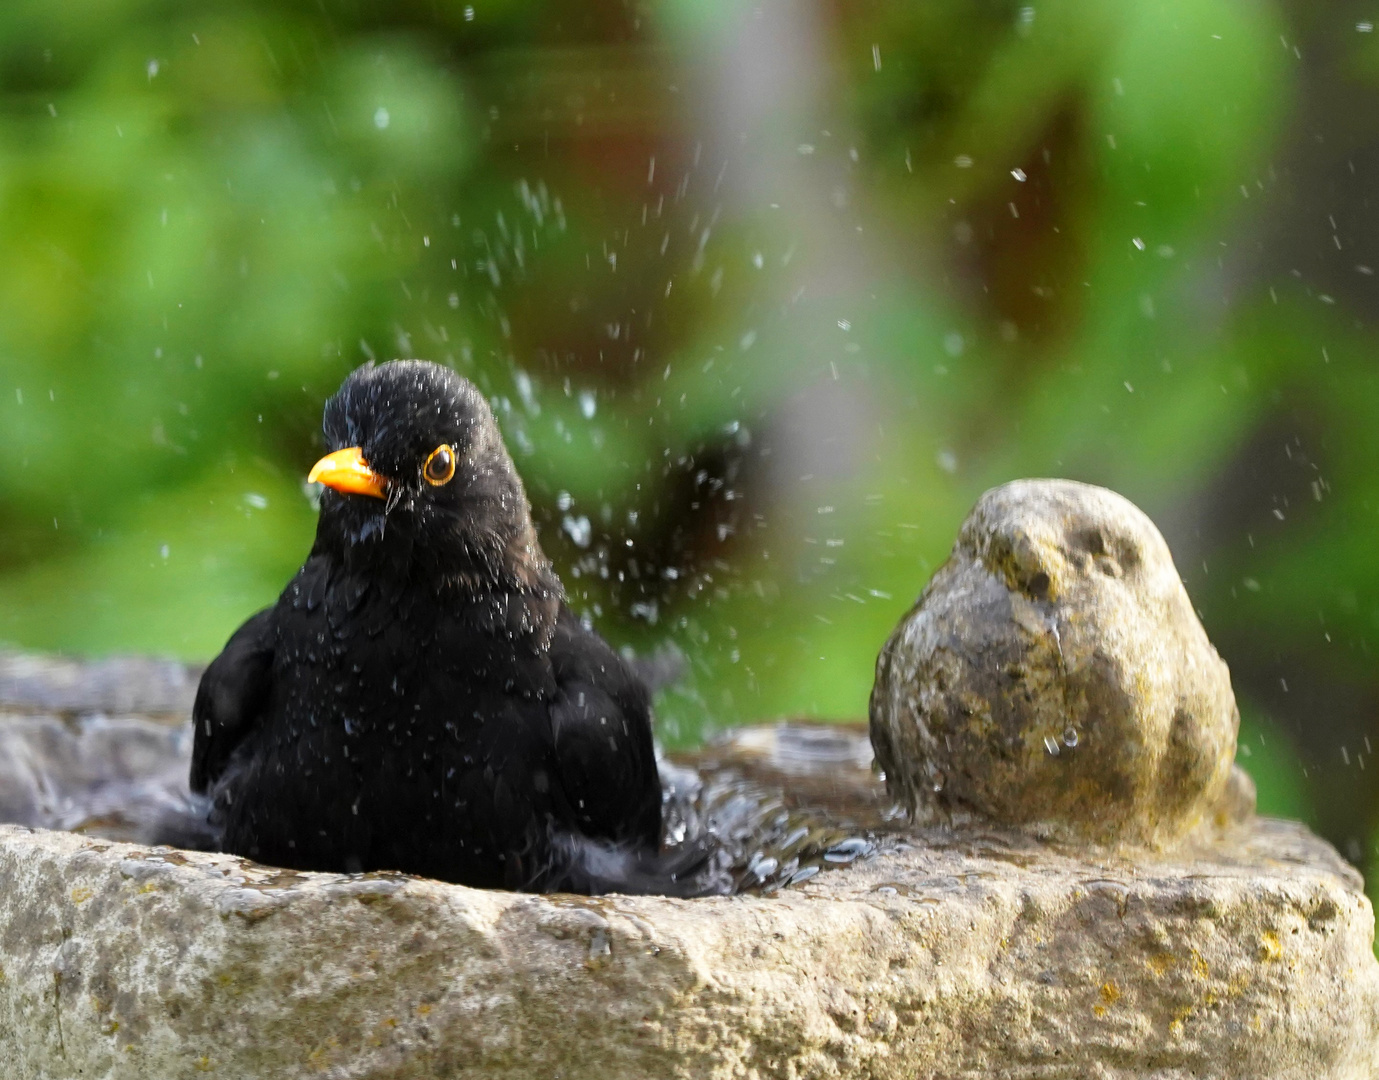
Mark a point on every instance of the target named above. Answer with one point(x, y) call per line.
point(1074, 884)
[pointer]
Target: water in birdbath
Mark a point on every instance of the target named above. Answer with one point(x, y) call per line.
point(783, 802)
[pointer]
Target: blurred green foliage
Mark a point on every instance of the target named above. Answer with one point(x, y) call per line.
point(764, 298)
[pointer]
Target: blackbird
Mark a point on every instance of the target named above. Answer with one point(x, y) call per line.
point(420, 698)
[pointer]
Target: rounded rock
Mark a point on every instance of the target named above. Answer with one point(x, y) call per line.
point(1054, 676)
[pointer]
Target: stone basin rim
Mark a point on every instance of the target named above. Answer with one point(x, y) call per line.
point(949, 952)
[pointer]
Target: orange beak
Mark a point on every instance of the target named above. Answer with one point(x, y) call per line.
point(347, 471)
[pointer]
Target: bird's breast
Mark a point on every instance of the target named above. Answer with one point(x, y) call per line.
point(403, 664)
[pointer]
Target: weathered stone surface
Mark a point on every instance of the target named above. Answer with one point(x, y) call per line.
point(1054, 677)
point(943, 954)
point(128, 685)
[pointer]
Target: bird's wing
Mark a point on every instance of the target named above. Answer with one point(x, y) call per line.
point(230, 698)
point(601, 722)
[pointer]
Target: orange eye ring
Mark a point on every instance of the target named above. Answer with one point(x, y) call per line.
point(440, 466)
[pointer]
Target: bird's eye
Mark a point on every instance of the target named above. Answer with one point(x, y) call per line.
point(440, 466)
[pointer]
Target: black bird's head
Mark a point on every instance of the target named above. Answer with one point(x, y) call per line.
point(418, 480)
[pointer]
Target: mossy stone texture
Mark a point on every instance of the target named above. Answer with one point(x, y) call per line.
point(1054, 676)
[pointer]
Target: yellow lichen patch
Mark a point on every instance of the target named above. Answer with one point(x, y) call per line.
point(980, 726)
point(1199, 966)
point(1109, 994)
point(424, 1009)
point(1175, 1026)
point(1160, 962)
point(81, 894)
point(203, 1064)
point(319, 1058)
point(1270, 948)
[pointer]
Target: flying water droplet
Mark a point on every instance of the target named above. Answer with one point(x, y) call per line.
point(579, 530)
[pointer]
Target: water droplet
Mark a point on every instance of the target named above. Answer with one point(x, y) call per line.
point(795, 836)
point(381, 118)
point(846, 851)
point(1070, 738)
point(579, 530)
point(804, 873)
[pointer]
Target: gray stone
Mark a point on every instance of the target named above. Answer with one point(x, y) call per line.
point(131, 685)
point(941, 953)
point(1054, 677)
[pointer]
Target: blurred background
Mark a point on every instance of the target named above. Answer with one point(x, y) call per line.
point(764, 295)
